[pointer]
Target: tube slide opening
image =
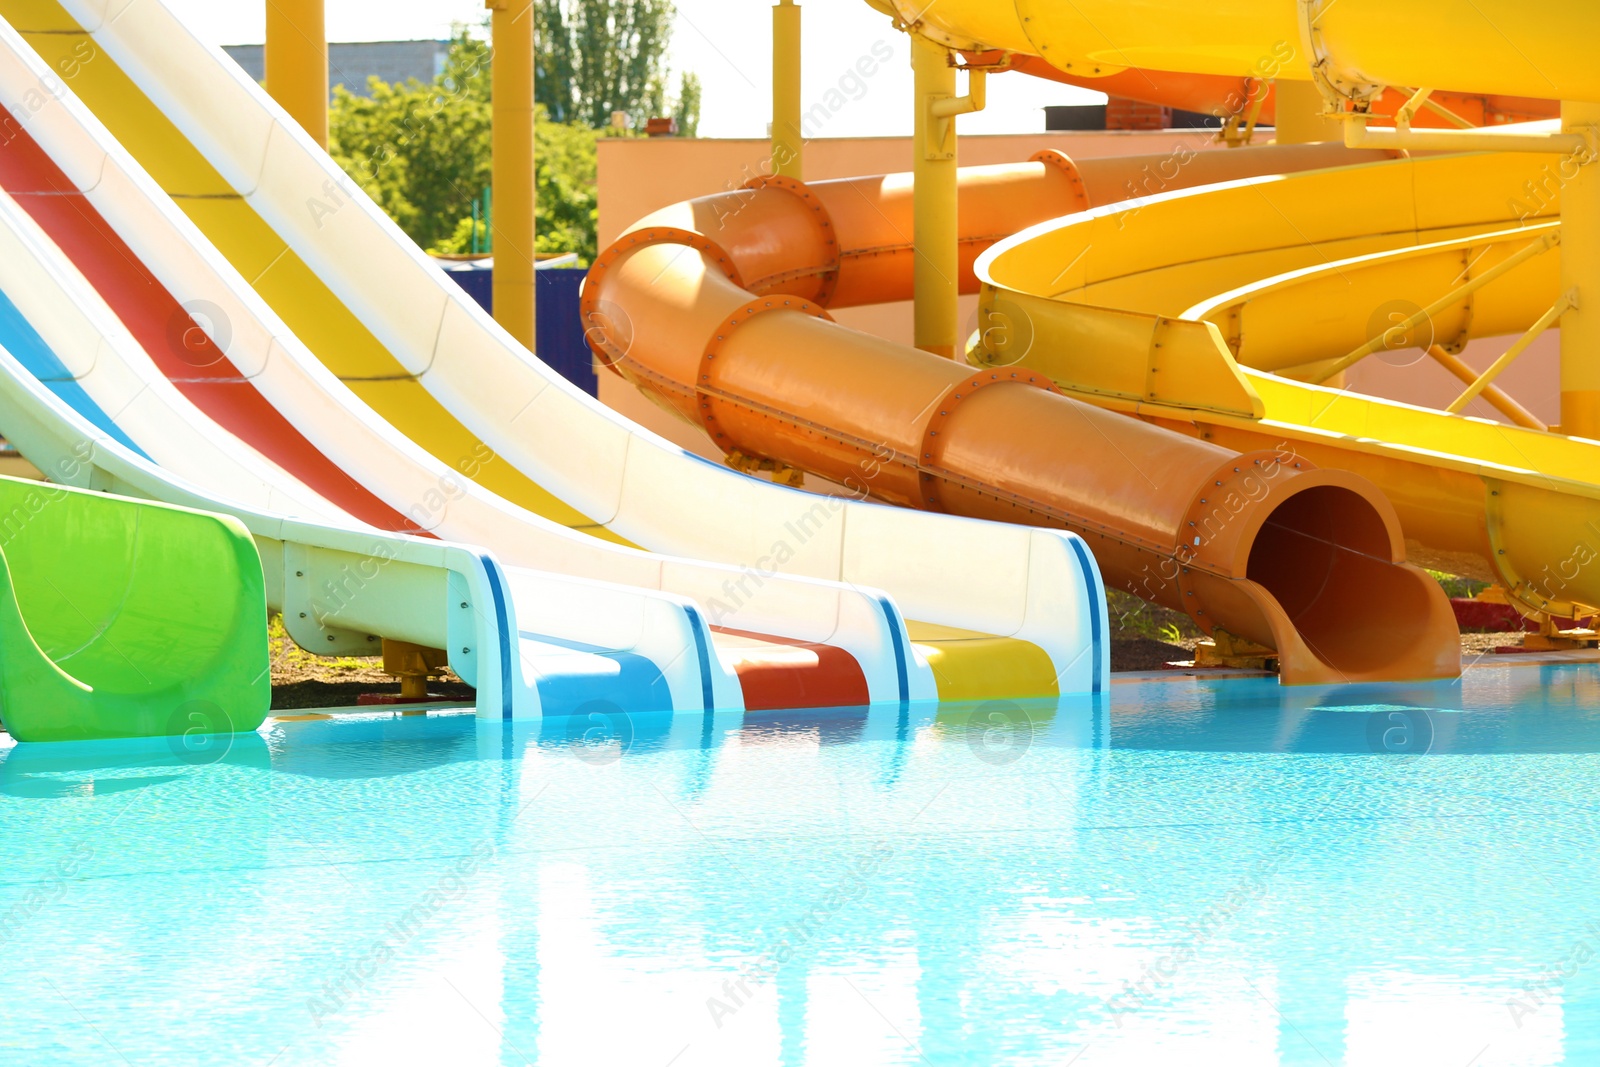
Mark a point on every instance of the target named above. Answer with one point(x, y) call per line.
point(1324, 554)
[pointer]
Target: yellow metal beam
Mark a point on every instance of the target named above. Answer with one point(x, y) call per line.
point(934, 200)
point(297, 63)
point(1357, 134)
point(936, 270)
point(787, 142)
point(513, 180)
point(1580, 275)
point(1483, 384)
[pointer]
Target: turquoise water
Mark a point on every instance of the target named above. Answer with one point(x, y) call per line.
point(1205, 872)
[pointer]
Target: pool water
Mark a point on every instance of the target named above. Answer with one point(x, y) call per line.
point(1202, 872)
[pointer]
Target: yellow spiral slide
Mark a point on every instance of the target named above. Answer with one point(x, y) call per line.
point(1268, 285)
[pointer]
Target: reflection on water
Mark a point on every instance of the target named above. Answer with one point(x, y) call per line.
point(1198, 872)
point(1493, 712)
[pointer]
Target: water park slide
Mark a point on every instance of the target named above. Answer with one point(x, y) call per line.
point(1023, 621)
point(1168, 353)
point(1482, 46)
point(323, 570)
point(1294, 289)
point(1513, 504)
point(121, 618)
point(835, 644)
point(1282, 568)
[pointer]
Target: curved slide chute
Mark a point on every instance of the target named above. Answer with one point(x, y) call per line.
point(1481, 47)
point(122, 618)
point(1026, 620)
point(1287, 292)
point(714, 306)
point(1290, 282)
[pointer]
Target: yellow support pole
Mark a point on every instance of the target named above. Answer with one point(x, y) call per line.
point(513, 180)
point(934, 237)
point(1483, 384)
point(787, 142)
point(297, 63)
point(1297, 117)
point(1580, 274)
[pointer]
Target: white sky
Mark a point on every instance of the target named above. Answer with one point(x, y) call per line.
point(726, 42)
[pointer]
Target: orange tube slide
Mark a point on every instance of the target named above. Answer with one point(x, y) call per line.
point(1222, 96)
point(716, 306)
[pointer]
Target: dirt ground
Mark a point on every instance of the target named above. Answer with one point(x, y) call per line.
point(1145, 637)
point(301, 680)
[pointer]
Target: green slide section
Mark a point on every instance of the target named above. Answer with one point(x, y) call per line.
point(123, 618)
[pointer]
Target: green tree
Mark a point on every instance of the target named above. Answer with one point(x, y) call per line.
point(596, 57)
point(424, 152)
point(687, 110)
point(565, 176)
point(421, 151)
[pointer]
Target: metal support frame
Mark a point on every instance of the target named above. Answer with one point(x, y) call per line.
point(945, 111)
point(1454, 296)
point(788, 143)
point(414, 666)
point(1230, 135)
point(1497, 398)
point(1358, 135)
point(1349, 98)
point(1422, 98)
point(1552, 638)
point(936, 269)
point(1483, 382)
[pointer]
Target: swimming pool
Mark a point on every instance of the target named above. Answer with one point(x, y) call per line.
point(1203, 872)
